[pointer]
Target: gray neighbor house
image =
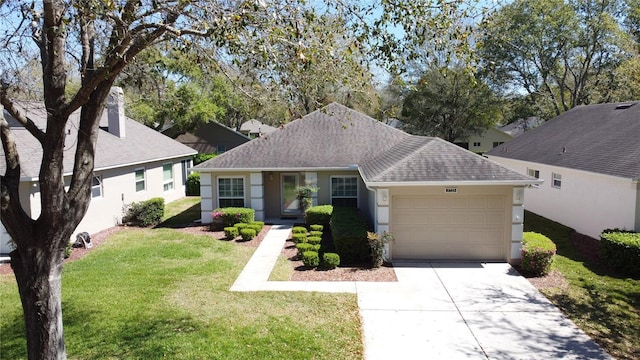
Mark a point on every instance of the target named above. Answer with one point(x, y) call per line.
point(438, 200)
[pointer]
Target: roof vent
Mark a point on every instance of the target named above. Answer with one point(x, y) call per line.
point(624, 106)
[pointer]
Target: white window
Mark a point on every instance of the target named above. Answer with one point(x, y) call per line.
point(167, 176)
point(141, 180)
point(230, 192)
point(344, 191)
point(534, 173)
point(476, 144)
point(96, 187)
point(556, 180)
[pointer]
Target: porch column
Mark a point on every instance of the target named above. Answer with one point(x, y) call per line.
point(517, 224)
point(257, 195)
point(382, 217)
point(311, 179)
point(206, 198)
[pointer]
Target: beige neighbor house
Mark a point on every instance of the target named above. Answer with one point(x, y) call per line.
point(486, 141)
point(132, 163)
point(254, 128)
point(440, 201)
point(589, 159)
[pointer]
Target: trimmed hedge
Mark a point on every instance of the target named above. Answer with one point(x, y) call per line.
point(315, 233)
point(299, 238)
point(299, 230)
point(145, 213)
point(621, 250)
point(310, 258)
point(231, 216)
point(320, 215)
point(316, 227)
point(241, 226)
point(537, 254)
point(349, 231)
point(193, 184)
point(330, 260)
point(231, 232)
point(314, 240)
point(302, 248)
point(247, 234)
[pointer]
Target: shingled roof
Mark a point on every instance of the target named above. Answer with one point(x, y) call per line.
point(140, 145)
point(603, 138)
point(337, 137)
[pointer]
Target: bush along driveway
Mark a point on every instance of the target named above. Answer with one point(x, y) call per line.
point(605, 304)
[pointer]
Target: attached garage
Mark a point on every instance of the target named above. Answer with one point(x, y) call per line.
point(471, 226)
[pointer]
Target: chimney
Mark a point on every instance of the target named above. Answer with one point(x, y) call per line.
point(115, 108)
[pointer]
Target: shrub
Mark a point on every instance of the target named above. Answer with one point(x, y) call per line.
point(303, 247)
point(254, 226)
point(376, 246)
point(314, 240)
point(231, 232)
point(330, 260)
point(349, 232)
point(621, 250)
point(315, 233)
point(299, 238)
point(247, 234)
point(315, 248)
point(231, 215)
point(241, 226)
point(316, 227)
point(310, 258)
point(299, 230)
point(319, 215)
point(537, 254)
point(193, 184)
point(261, 223)
point(200, 158)
point(145, 213)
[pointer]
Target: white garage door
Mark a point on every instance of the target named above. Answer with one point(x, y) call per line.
point(449, 227)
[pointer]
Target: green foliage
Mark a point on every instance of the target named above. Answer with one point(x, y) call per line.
point(310, 259)
point(349, 232)
point(247, 234)
point(316, 227)
point(200, 158)
point(256, 227)
point(314, 240)
point(231, 232)
point(305, 195)
point(145, 213)
point(241, 226)
point(330, 260)
point(299, 230)
point(299, 238)
point(302, 248)
point(68, 249)
point(376, 246)
point(231, 216)
point(320, 214)
point(193, 184)
point(621, 250)
point(315, 233)
point(537, 254)
point(451, 104)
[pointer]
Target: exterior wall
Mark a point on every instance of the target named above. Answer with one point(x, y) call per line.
point(586, 201)
point(487, 139)
point(118, 189)
point(512, 227)
point(209, 191)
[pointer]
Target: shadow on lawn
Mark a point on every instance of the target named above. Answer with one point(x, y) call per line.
point(184, 219)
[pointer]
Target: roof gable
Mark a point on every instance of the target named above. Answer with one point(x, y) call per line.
point(599, 138)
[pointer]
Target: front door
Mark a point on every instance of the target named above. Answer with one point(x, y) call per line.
point(290, 202)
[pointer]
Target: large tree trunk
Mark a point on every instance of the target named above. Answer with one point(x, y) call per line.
point(38, 273)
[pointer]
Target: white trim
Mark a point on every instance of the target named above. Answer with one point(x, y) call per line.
point(244, 189)
point(357, 197)
point(282, 209)
point(275, 169)
point(99, 186)
point(454, 183)
point(144, 179)
point(553, 180)
point(167, 182)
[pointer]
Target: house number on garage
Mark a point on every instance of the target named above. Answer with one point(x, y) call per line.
point(450, 190)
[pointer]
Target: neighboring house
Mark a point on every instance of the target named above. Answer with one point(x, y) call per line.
point(589, 159)
point(521, 126)
point(486, 141)
point(437, 199)
point(209, 138)
point(132, 163)
point(254, 128)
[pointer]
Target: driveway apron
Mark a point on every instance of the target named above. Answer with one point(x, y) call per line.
point(442, 310)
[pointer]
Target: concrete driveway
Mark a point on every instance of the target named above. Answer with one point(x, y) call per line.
point(441, 310)
point(466, 311)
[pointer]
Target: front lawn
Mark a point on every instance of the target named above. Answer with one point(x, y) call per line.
point(156, 293)
point(605, 305)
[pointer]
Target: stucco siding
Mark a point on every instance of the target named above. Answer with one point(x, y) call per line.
point(486, 140)
point(585, 201)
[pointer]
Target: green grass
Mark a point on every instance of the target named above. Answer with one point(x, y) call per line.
point(154, 293)
point(181, 212)
point(604, 304)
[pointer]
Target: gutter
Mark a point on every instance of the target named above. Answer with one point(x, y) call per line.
point(455, 183)
point(278, 169)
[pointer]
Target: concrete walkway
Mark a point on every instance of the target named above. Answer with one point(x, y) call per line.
point(442, 310)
